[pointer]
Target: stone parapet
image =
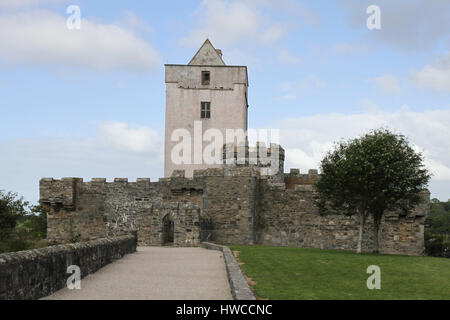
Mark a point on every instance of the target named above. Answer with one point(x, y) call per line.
point(38, 273)
point(240, 290)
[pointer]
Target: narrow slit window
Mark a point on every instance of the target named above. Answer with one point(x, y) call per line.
point(206, 77)
point(205, 112)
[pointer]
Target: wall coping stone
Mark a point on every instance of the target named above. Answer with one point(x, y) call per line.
point(31, 274)
point(240, 289)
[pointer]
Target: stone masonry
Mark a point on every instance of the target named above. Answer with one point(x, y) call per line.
point(34, 274)
point(234, 204)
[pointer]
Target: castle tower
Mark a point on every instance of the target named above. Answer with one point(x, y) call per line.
point(205, 94)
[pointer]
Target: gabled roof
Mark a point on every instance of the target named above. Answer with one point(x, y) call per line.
point(207, 55)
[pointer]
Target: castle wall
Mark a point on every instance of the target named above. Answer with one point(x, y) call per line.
point(74, 209)
point(80, 210)
point(230, 205)
point(404, 233)
point(287, 216)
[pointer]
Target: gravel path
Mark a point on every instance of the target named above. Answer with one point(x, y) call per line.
point(156, 273)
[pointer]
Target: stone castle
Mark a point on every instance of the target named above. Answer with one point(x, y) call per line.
point(235, 202)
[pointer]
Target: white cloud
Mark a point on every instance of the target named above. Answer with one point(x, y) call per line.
point(115, 151)
point(351, 48)
point(387, 83)
point(369, 106)
point(24, 4)
point(289, 96)
point(272, 33)
point(307, 83)
point(441, 171)
point(284, 56)
point(124, 138)
point(435, 76)
point(132, 21)
point(41, 37)
point(310, 82)
point(307, 139)
point(291, 7)
point(226, 23)
point(241, 56)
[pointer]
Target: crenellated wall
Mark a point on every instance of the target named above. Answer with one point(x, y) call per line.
point(234, 204)
point(287, 216)
point(95, 209)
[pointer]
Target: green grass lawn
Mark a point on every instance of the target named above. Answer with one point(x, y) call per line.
point(298, 274)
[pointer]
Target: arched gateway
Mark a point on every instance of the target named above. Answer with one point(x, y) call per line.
point(168, 229)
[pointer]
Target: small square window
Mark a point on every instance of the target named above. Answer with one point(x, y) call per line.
point(205, 112)
point(206, 77)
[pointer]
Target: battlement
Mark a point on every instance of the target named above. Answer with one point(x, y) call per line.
point(224, 171)
point(59, 193)
point(93, 180)
point(233, 204)
point(294, 179)
point(45, 181)
point(63, 192)
point(270, 160)
point(258, 155)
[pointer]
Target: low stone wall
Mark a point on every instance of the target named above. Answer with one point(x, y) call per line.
point(240, 289)
point(34, 274)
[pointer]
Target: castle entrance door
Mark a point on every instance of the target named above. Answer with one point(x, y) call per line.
point(168, 229)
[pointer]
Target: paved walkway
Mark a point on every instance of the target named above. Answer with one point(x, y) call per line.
point(156, 273)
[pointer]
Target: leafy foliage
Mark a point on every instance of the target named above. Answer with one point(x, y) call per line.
point(371, 175)
point(22, 226)
point(437, 234)
point(11, 210)
point(440, 217)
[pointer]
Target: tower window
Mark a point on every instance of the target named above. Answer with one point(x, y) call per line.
point(206, 77)
point(205, 112)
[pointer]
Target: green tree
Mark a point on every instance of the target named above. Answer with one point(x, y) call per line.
point(439, 217)
point(437, 230)
point(22, 226)
point(370, 175)
point(33, 226)
point(11, 210)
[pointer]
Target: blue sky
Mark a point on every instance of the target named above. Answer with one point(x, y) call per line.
point(90, 102)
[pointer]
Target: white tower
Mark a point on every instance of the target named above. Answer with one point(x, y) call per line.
point(202, 95)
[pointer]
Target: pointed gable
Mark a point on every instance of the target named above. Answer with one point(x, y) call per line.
point(207, 55)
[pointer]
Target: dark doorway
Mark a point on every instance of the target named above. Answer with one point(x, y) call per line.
point(168, 229)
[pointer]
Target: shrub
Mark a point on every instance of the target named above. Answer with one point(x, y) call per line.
point(13, 245)
point(437, 245)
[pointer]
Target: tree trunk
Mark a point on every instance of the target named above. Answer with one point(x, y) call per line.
point(376, 239)
point(362, 220)
point(377, 223)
